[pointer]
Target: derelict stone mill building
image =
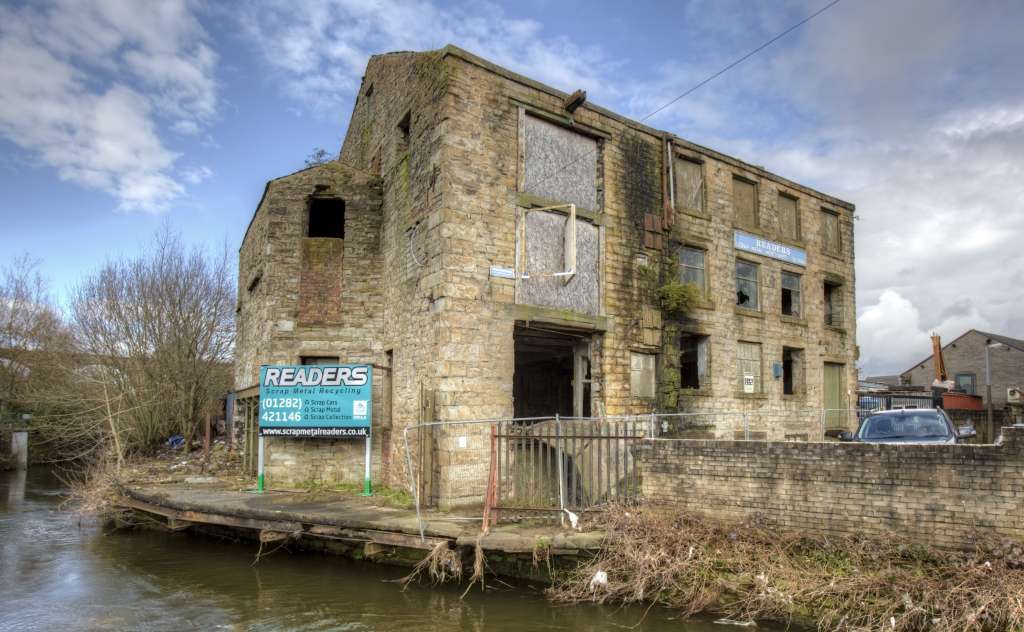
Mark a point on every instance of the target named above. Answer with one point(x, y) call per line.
point(418, 252)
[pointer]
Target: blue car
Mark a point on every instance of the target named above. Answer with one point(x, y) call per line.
point(909, 426)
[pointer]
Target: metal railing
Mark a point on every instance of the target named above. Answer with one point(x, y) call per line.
point(543, 468)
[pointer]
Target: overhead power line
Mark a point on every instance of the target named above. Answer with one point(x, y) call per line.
point(745, 57)
point(710, 78)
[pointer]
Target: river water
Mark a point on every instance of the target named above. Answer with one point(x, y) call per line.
point(60, 573)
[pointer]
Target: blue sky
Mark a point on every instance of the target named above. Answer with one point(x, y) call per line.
point(119, 117)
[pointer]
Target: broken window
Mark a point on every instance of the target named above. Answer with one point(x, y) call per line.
point(833, 304)
point(642, 374)
point(689, 185)
point(691, 266)
point(326, 218)
point(319, 360)
point(693, 361)
point(792, 370)
point(560, 164)
point(790, 294)
point(830, 239)
point(744, 202)
point(789, 217)
point(748, 364)
point(746, 284)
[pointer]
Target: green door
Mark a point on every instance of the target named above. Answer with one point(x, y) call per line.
point(834, 388)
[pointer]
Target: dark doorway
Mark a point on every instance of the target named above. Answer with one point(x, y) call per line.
point(547, 363)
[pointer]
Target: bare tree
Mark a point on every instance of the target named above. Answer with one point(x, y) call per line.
point(153, 338)
point(318, 156)
point(29, 324)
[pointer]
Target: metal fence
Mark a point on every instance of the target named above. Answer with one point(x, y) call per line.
point(543, 468)
point(546, 467)
point(871, 401)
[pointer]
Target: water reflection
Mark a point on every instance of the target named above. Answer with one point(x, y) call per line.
point(58, 573)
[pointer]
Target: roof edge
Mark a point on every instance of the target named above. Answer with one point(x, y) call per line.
point(452, 50)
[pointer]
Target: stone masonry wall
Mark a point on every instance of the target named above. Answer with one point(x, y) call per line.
point(272, 269)
point(939, 495)
point(771, 413)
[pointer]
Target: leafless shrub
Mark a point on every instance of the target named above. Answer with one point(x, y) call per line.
point(151, 349)
point(750, 572)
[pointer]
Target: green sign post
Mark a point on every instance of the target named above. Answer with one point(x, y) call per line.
point(333, 401)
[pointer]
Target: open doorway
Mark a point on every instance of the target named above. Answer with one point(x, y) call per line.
point(552, 372)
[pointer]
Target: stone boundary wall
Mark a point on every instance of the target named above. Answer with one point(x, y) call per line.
point(938, 495)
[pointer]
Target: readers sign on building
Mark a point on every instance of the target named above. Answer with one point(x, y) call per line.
point(775, 250)
point(315, 401)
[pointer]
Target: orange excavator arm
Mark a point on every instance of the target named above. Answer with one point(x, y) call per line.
point(940, 364)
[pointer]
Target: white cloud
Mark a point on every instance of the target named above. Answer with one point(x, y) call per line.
point(320, 47)
point(892, 336)
point(196, 175)
point(86, 86)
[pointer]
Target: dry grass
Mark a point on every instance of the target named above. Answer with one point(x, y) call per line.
point(750, 572)
point(442, 564)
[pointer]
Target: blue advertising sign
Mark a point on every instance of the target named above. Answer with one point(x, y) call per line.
point(775, 250)
point(316, 400)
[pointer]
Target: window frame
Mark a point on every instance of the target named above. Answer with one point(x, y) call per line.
point(759, 375)
point(974, 381)
point(683, 266)
point(757, 202)
point(756, 281)
point(797, 225)
point(799, 294)
point(703, 380)
point(837, 251)
point(797, 374)
point(634, 373)
point(833, 310)
point(701, 208)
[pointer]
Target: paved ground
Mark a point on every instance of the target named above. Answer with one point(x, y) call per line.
point(332, 509)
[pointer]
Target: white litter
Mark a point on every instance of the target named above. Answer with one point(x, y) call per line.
point(599, 580)
point(574, 520)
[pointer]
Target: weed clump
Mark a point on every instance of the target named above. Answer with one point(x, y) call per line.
point(751, 572)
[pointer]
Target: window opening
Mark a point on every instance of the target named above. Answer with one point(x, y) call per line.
point(744, 200)
point(326, 218)
point(693, 361)
point(642, 374)
point(689, 183)
point(746, 284)
point(790, 294)
point(319, 360)
point(792, 369)
point(691, 266)
point(830, 238)
point(749, 366)
point(833, 304)
point(789, 217)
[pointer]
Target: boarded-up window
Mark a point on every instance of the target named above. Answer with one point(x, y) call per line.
point(560, 164)
point(789, 217)
point(744, 202)
point(830, 240)
point(691, 266)
point(642, 374)
point(748, 364)
point(693, 361)
point(542, 254)
point(689, 182)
